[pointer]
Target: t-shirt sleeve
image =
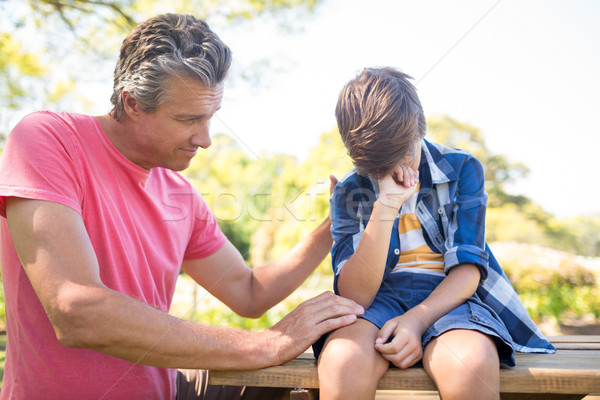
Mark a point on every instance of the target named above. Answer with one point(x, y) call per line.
point(207, 236)
point(40, 162)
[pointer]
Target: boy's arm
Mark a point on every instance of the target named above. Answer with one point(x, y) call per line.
point(466, 262)
point(406, 330)
point(360, 277)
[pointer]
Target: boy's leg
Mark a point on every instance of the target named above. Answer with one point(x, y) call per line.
point(463, 364)
point(349, 366)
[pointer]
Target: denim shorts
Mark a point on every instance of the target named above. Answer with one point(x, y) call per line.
point(401, 291)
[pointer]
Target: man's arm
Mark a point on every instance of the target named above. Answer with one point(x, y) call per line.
point(60, 262)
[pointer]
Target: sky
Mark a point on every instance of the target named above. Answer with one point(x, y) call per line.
point(524, 72)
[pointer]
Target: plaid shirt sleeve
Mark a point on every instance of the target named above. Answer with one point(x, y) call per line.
point(465, 237)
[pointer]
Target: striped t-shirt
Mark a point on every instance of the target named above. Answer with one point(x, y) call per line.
point(415, 251)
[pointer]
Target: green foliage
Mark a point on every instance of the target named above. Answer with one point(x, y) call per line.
point(16, 66)
point(580, 235)
point(508, 222)
point(561, 288)
point(266, 205)
point(222, 316)
point(296, 216)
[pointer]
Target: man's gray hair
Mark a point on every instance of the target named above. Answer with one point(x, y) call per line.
point(162, 48)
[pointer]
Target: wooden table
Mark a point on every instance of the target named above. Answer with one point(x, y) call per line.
point(571, 373)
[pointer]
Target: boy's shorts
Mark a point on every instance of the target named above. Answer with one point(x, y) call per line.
point(401, 291)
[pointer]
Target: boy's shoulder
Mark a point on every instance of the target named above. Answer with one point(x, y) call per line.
point(440, 150)
point(439, 154)
point(447, 163)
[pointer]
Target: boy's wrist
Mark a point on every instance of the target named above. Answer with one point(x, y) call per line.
point(387, 210)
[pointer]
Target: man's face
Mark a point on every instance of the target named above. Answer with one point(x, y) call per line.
point(170, 136)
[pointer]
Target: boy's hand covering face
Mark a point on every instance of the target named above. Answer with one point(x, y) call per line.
point(397, 187)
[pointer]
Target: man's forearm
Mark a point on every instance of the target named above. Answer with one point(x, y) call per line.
point(112, 323)
point(123, 327)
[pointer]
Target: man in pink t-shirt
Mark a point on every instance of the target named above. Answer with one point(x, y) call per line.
point(97, 225)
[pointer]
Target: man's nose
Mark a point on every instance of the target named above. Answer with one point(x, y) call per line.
point(201, 137)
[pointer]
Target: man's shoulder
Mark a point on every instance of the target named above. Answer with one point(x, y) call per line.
point(51, 117)
point(49, 123)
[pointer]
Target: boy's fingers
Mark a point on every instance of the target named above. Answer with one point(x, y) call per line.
point(384, 334)
point(393, 347)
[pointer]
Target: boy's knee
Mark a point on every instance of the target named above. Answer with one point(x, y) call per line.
point(343, 356)
point(340, 353)
point(465, 355)
point(349, 371)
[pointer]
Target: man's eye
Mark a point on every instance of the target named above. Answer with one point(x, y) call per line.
point(189, 120)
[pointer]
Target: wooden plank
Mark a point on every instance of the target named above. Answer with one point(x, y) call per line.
point(571, 370)
point(575, 338)
point(567, 371)
point(583, 342)
point(296, 373)
point(540, 396)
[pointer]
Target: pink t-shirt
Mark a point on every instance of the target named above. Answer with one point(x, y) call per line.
point(141, 223)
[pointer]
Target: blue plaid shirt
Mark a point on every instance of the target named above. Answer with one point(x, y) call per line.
point(451, 207)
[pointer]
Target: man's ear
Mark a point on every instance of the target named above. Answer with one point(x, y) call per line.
point(130, 105)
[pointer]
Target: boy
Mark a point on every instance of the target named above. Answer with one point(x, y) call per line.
point(408, 226)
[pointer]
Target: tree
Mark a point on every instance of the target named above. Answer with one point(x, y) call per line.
point(498, 169)
point(14, 63)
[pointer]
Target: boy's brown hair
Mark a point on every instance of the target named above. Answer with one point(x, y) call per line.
point(380, 119)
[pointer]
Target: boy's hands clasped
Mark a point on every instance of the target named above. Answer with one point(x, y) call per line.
point(399, 340)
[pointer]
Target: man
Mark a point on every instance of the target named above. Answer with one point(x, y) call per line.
point(98, 225)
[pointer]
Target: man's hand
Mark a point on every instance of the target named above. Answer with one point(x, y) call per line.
point(302, 327)
point(332, 182)
point(396, 188)
point(404, 349)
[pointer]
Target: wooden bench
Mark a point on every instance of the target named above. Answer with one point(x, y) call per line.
point(573, 372)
